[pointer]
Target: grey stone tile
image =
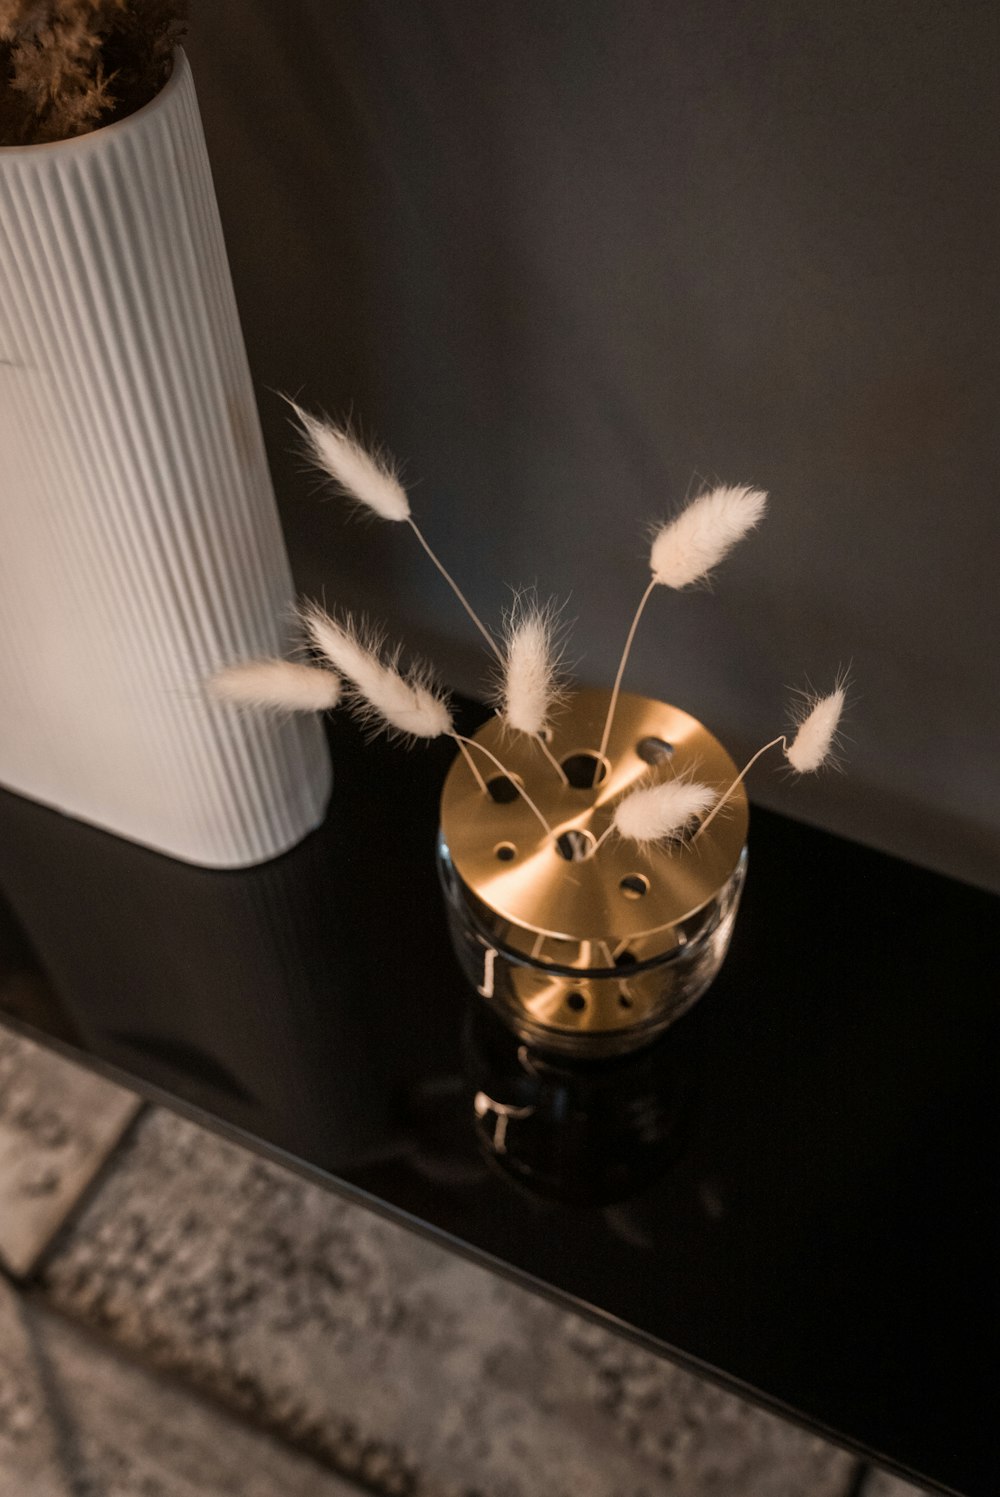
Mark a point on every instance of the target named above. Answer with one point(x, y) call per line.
point(78, 1421)
point(58, 1124)
point(389, 1357)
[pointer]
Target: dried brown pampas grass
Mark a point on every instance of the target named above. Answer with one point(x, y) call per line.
point(70, 66)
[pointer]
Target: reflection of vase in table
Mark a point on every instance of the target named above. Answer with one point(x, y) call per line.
point(139, 541)
point(590, 1132)
point(581, 952)
point(240, 992)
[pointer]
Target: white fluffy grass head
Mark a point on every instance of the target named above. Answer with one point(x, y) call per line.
point(277, 686)
point(818, 721)
point(529, 688)
point(369, 478)
point(406, 705)
point(685, 549)
point(662, 813)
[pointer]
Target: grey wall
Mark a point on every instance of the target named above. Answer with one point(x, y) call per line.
point(563, 257)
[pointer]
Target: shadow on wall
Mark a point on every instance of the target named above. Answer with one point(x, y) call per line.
point(567, 260)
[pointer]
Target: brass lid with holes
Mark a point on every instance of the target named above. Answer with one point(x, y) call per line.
point(622, 895)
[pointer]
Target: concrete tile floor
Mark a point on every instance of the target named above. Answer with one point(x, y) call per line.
point(58, 1124)
point(78, 1419)
point(240, 1298)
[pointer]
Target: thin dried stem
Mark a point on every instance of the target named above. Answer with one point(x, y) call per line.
point(455, 588)
point(738, 781)
point(473, 766)
point(603, 837)
point(621, 668)
point(552, 759)
point(473, 743)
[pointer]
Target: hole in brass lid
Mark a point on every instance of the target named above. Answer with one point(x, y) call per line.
point(634, 885)
point(654, 750)
point(585, 770)
point(577, 1002)
point(505, 851)
point(575, 845)
point(502, 789)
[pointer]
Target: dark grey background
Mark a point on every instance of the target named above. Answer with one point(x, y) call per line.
point(566, 258)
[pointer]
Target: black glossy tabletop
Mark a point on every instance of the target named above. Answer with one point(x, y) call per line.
point(801, 1195)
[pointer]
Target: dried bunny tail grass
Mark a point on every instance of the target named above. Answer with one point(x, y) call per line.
point(369, 478)
point(406, 705)
point(663, 812)
point(352, 649)
point(429, 716)
point(818, 719)
point(530, 689)
point(277, 686)
point(687, 548)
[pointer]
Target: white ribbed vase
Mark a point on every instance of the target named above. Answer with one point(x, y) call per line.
point(140, 547)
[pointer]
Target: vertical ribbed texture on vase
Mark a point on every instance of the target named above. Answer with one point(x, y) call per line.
point(140, 547)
